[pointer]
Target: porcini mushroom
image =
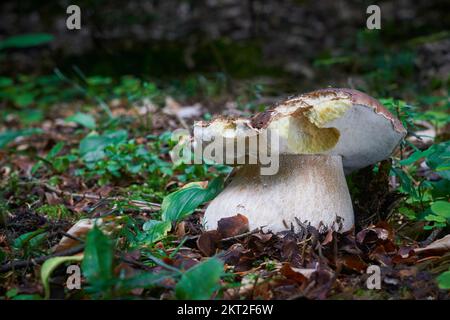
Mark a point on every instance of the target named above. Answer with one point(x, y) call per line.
point(322, 135)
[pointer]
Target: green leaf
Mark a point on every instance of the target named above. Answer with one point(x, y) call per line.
point(83, 119)
point(25, 239)
point(143, 280)
point(439, 159)
point(411, 214)
point(97, 264)
point(183, 202)
point(416, 156)
point(26, 40)
point(200, 281)
point(12, 293)
point(9, 136)
point(27, 297)
point(155, 230)
point(441, 208)
point(432, 217)
point(406, 182)
point(50, 265)
point(444, 280)
point(50, 156)
point(55, 150)
point(28, 117)
point(24, 99)
point(92, 146)
point(98, 80)
point(440, 188)
point(6, 82)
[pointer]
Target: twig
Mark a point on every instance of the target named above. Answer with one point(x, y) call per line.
point(15, 265)
point(242, 235)
point(162, 263)
point(392, 206)
point(433, 235)
point(68, 235)
point(26, 263)
point(94, 196)
point(135, 263)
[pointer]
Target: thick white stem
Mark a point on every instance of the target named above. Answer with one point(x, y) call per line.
point(311, 188)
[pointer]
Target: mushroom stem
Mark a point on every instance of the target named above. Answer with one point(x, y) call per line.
point(311, 188)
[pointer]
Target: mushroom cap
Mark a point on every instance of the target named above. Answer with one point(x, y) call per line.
point(332, 121)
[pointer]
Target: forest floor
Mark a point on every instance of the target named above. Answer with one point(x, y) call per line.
point(86, 174)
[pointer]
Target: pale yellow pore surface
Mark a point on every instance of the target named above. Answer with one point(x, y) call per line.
point(311, 188)
point(327, 111)
point(319, 109)
point(297, 135)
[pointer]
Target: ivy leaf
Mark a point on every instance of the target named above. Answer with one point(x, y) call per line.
point(183, 202)
point(50, 265)
point(97, 264)
point(83, 119)
point(200, 281)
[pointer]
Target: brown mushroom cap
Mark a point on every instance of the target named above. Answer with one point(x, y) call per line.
point(360, 98)
point(333, 121)
point(262, 119)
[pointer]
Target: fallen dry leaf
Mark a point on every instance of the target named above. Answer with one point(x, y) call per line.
point(353, 262)
point(208, 242)
point(233, 226)
point(52, 198)
point(298, 275)
point(423, 137)
point(380, 231)
point(172, 107)
point(180, 230)
point(78, 230)
point(437, 247)
point(328, 238)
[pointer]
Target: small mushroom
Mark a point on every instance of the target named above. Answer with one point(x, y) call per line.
point(322, 135)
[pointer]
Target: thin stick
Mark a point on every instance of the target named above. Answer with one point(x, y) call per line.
point(26, 263)
point(433, 235)
point(239, 236)
point(162, 264)
point(242, 235)
point(94, 196)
